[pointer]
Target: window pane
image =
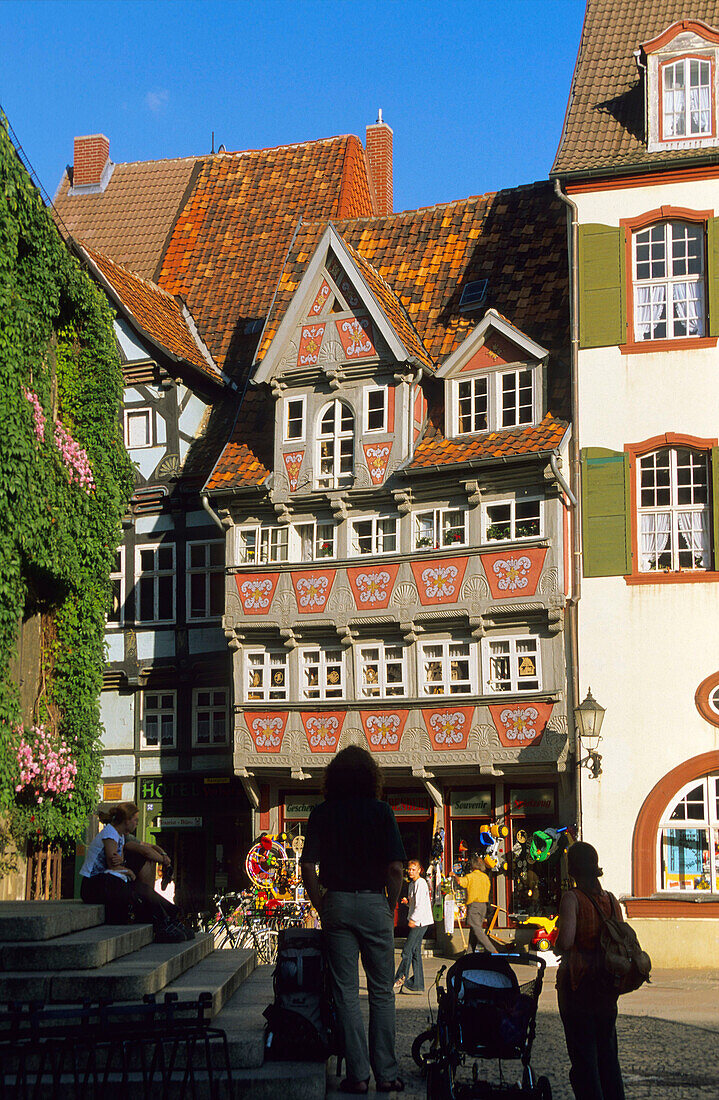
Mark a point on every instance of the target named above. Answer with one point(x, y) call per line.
point(375, 410)
point(217, 594)
point(165, 608)
point(138, 429)
point(151, 728)
point(685, 856)
point(363, 537)
point(198, 555)
point(295, 418)
point(197, 596)
point(499, 521)
point(217, 555)
point(527, 519)
point(425, 530)
point(165, 558)
point(147, 599)
point(387, 536)
point(203, 728)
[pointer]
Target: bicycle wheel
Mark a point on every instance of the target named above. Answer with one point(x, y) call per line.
point(266, 946)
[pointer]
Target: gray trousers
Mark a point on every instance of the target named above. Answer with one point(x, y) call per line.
point(361, 925)
point(476, 912)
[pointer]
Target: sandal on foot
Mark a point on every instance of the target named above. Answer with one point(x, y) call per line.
point(358, 1088)
point(390, 1086)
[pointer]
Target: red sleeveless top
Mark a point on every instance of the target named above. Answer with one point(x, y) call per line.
point(582, 957)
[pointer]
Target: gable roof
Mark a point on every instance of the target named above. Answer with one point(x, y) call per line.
point(132, 218)
point(514, 238)
point(155, 313)
point(604, 124)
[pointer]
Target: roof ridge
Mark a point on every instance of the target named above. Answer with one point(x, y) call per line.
point(237, 152)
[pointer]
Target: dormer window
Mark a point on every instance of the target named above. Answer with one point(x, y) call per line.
point(336, 446)
point(491, 402)
point(686, 98)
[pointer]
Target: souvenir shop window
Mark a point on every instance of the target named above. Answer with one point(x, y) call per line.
point(322, 673)
point(376, 535)
point(507, 520)
point(447, 668)
point(689, 839)
point(159, 724)
point(313, 541)
point(265, 675)
point(440, 527)
point(382, 671)
point(512, 664)
point(209, 716)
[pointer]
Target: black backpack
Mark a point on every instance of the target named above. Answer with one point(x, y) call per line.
point(300, 1021)
point(623, 964)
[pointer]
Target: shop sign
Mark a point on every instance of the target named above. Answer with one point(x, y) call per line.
point(532, 801)
point(179, 823)
point(512, 574)
point(112, 792)
point(156, 788)
point(298, 807)
point(410, 805)
point(216, 780)
point(470, 803)
point(439, 582)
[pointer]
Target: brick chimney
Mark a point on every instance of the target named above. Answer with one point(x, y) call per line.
point(92, 153)
point(379, 155)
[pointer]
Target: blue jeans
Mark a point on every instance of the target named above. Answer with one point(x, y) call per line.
point(412, 957)
point(362, 925)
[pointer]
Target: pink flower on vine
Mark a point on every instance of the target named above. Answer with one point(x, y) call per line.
point(38, 415)
point(75, 458)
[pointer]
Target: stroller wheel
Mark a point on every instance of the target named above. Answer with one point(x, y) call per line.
point(424, 1050)
point(440, 1085)
point(542, 1090)
point(544, 945)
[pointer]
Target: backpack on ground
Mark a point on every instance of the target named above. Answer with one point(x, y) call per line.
point(300, 1021)
point(622, 961)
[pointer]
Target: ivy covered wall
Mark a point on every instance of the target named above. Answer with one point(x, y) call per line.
point(65, 480)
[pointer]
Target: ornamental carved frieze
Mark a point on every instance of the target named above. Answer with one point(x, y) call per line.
point(372, 585)
point(266, 729)
point(310, 344)
point(440, 581)
point(383, 728)
point(448, 727)
point(513, 572)
point(256, 591)
point(377, 456)
point(323, 729)
point(356, 337)
point(293, 465)
point(312, 589)
point(520, 724)
point(320, 302)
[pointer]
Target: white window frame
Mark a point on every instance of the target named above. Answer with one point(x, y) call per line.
point(318, 541)
point(685, 63)
point(511, 503)
point(264, 534)
point(140, 410)
point(398, 689)
point(338, 690)
point(286, 437)
point(674, 510)
point(385, 419)
point(653, 283)
point(208, 571)
point(516, 686)
point(445, 658)
point(436, 536)
point(516, 422)
point(159, 710)
point(336, 479)
point(266, 693)
point(473, 382)
point(377, 536)
point(709, 823)
point(495, 416)
point(213, 707)
point(118, 575)
point(157, 575)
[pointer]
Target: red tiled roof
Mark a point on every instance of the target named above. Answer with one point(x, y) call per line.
point(230, 241)
point(246, 459)
point(436, 450)
point(132, 218)
point(357, 198)
point(604, 124)
point(156, 313)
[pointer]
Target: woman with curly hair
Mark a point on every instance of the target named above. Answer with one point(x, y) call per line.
point(354, 838)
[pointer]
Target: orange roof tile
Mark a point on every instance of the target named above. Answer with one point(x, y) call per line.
point(155, 312)
point(132, 218)
point(439, 451)
point(246, 459)
point(604, 124)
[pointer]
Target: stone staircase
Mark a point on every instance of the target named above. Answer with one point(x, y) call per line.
point(61, 953)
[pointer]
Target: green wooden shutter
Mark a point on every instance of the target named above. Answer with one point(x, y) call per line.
point(606, 532)
point(715, 506)
point(713, 276)
point(602, 310)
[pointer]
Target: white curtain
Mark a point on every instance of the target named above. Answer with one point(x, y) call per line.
point(700, 110)
point(650, 307)
point(655, 533)
point(686, 297)
point(694, 528)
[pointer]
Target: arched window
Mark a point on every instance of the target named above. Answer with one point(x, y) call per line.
point(689, 838)
point(686, 98)
point(336, 446)
point(669, 281)
point(674, 511)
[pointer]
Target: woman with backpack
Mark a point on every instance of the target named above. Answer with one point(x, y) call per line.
point(587, 1000)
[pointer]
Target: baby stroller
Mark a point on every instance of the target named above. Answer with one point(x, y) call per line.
point(484, 1013)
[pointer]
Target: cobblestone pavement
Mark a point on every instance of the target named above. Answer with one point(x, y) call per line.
point(668, 1038)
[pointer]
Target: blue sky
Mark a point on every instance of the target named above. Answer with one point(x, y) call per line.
point(475, 90)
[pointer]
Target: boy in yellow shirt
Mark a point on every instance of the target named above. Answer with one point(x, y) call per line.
point(477, 884)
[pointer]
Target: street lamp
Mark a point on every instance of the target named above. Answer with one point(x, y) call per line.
point(589, 716)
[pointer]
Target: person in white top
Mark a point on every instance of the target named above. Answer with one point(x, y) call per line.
point(419, 919)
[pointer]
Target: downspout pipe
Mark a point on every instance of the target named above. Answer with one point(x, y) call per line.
point(211, 512)
point(573, 605)
point(561, 478)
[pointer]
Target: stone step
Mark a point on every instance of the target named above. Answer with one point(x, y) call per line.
point(220, 974)
point(148, 970)
point(86, 950)
point(44, 920)
point(243, 1022)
